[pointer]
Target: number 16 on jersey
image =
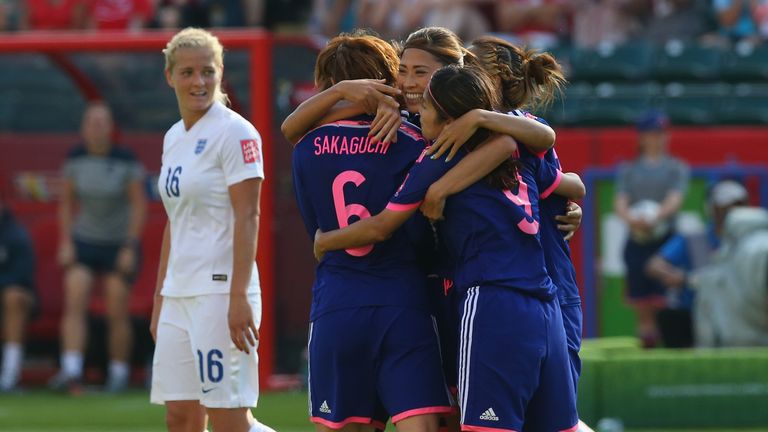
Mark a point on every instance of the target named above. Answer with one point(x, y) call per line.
point(172, 182)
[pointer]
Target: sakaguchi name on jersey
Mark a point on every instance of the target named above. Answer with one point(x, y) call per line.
point(342, 145)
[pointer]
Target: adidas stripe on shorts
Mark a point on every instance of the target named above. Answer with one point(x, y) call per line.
point(195, 358)
point(514, 370)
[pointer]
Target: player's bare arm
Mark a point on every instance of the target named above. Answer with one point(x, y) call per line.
point(245, 198)
point(571, 187)
point(536, 135)
point(162, 268)
point(343, 100)
point(66, 252)
point(476, 165)
point(126, 260)
point(364, 232)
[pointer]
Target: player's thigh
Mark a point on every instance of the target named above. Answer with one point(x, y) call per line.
point(572, 322)
point(553, 406)
point(342, 368)
point(174, 366)
point(228, 377)
point(410, 376)
point(502, 345)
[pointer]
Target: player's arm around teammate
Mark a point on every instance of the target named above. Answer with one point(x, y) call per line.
point(346, 99)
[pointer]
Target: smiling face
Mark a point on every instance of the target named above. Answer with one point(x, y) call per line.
point(195, 77)
point(431, 123)
point(416, 68)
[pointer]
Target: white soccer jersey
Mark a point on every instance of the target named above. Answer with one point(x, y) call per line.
point(199, 164)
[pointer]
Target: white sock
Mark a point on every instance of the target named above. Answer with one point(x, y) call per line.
point(72, 364)
point(119, 370)
point(260, 427)
point(583, 427)
point(12, 356)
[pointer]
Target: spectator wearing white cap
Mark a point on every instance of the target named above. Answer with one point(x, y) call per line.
point(684, 253)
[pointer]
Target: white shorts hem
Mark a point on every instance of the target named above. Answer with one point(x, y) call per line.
point(162, 399)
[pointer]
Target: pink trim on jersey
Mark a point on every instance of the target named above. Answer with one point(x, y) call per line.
point(347, 123)
point(346, 421)
point(402, 207)
point(411, 131)
point(484, 429)
point(553, 186)
point(421, 411)
point(573, 428)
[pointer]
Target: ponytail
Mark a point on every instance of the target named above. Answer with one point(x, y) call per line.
point(528, 79)
point(544, 78)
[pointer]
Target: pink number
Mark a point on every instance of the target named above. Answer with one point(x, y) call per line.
point(522, 199)
point(344, 211)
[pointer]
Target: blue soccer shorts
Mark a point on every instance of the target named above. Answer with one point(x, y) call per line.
point(366, 364)
point(514, 370)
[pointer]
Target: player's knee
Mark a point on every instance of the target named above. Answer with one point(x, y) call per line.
point(178, 419)
point(15, 299)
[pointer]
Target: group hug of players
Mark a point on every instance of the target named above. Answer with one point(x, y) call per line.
point(444, 294)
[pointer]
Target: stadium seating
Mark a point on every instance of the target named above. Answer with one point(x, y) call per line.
point(687, 103)
point(685, 61)
point(630, 61)
point(747, 104)
point(746, 62)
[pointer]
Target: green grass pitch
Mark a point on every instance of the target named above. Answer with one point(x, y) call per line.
point(42, 411)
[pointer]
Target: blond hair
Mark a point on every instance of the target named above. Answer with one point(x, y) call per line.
point(192, 37)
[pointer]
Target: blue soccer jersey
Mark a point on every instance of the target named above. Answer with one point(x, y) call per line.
point(491, 234)
point(342, 175)
point(557, 253)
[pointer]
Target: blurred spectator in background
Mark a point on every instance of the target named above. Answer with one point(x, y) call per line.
point(682, 254)
point(535, 23)
point(760, 15)
point(649, 193)
point(106, 184)
point(120, 14)
point(597, 22)
point(731, 305)
point(674, 20)
point(53, 14)
point(9, 14)
point(330, 17)
point(396, 18)
point(17, 272)
point(735, 19)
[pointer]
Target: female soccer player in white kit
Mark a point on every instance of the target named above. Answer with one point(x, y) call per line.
point(207, 305)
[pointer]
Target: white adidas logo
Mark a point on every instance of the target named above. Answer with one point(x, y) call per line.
point(489, 414)
point(324, 408)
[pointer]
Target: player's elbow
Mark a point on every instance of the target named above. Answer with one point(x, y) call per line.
point(576, 188)
point(288, 133)
point(580, 191)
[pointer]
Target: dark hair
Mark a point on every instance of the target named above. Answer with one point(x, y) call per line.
point(528, 79)
point(442, 43)
point(454, 91)
point(356, 55)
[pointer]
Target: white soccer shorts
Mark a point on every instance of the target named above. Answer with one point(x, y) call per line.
point(195, 358)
